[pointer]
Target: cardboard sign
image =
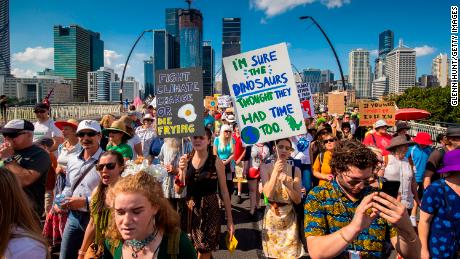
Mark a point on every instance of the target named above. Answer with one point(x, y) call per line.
point(336, 103)
point(224, 101)
point(179, 98)
point(210, 103)
point(265, 95)
point(306, 100)
point(370, 112)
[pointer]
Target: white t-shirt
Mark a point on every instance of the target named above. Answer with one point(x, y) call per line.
point(134, 141)
point(304, 154)
point(24, 247)
point(400, 170)
point(46, 129)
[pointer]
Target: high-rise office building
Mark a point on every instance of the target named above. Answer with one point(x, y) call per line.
point(400, 69)
point(208, 69)
point(379, 87)
point(327, 76)
point(440, 69)
point(97, 51)
point(73, 56)
point(99, 84)
point(386, 43)
point(231, 44)
point(5, 67)
point(379, 69)
point(163, 52)
point(313, 77)
point(191, 37)
point(149, 79)
point(172, 27)
point(360, 72)
point(130, 89)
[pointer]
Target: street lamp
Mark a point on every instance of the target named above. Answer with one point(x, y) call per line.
point(330, 44)
point(126, 64)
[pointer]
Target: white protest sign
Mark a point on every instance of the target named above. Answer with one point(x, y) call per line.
point(306, 100)
point(224, 101)
point(265, 94)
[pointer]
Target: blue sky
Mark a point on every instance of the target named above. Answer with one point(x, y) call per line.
point(350, 24)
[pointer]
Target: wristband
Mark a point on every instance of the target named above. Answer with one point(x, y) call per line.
point(80, 252)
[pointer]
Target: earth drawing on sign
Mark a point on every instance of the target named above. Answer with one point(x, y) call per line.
point(250, 135)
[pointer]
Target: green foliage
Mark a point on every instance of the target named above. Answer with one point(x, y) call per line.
point(435, 100)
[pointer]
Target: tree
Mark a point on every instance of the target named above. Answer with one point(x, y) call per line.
point(435, 100)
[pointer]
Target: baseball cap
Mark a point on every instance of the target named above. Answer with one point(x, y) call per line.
point(17, 125)
point(89, 124)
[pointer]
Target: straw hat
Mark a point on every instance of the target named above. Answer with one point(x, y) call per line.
point(116, 126)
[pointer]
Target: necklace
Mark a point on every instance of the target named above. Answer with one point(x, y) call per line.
point(139, 245)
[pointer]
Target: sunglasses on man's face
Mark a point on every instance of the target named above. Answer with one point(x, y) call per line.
point(40, 111)
point(89, 134)
point(12, 135)
point(110, 166)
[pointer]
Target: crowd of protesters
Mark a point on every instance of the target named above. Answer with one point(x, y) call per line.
point(65, 194)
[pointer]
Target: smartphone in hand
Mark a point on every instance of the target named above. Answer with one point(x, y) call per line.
point(390, 187)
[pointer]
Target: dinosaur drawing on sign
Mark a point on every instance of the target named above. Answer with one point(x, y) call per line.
point(292, 123)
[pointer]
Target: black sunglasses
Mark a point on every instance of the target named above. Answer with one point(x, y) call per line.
point(13, 135)
point(148, 120)
point(331, 140)
point(89, 134)
point(110, 166)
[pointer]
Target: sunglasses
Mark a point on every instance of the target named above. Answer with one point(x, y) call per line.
point(281, 147)
point(12, 135)
point(40, 111)
point(148, 120)
point(366, 182)
point(89, 134)
point(110, 166)
point(330, 140)
point(228, 131)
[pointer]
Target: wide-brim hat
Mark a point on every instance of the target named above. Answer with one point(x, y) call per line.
point(399, 141)
point(230, 118)
point(380, 123)
point(453, 132)
point(73, 123)
point(118, 126)
point(401, 125)
point(451, 162)
point(148, 116)
point(423, 138)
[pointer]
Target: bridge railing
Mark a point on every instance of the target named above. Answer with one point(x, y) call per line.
point(433, 130)
point(62, 112)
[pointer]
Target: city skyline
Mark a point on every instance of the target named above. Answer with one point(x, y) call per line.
point(31, 46)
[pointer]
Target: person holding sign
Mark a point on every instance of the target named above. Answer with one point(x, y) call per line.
point(280, 234)
point(201, 173)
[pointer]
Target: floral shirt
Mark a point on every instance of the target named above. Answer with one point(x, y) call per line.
point(326, 214)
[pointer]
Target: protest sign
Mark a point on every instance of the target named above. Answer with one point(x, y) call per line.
point(210, 103)
point(306, 100)
point(265, 95)
point(370, 112)
point(336, 103)
point(224, 101)
point(179, 98)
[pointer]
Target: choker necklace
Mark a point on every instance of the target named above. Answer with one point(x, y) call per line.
point(139, 245)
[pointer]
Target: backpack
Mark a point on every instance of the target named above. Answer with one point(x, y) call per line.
point(155, 147)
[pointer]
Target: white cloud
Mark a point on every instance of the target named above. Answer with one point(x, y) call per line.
point(334, 3)
point(424, 50)
point(27, 73)
point(110, 56)
point(275, 7)
point(374, 52)
point(140, 56)
point(39, 56)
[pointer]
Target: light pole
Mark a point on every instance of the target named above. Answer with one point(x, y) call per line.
point(126, 64)
point(330, 44)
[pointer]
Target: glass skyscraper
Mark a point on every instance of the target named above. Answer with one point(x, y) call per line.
point(312, 76)
point(208, 69)
point(97, 51)
point(148, 78)
point(386, 43)
point(163, 51)
point(231, 44)
point(5, 66)
point(191, 37)
point(73, 57)
point(172, 27)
